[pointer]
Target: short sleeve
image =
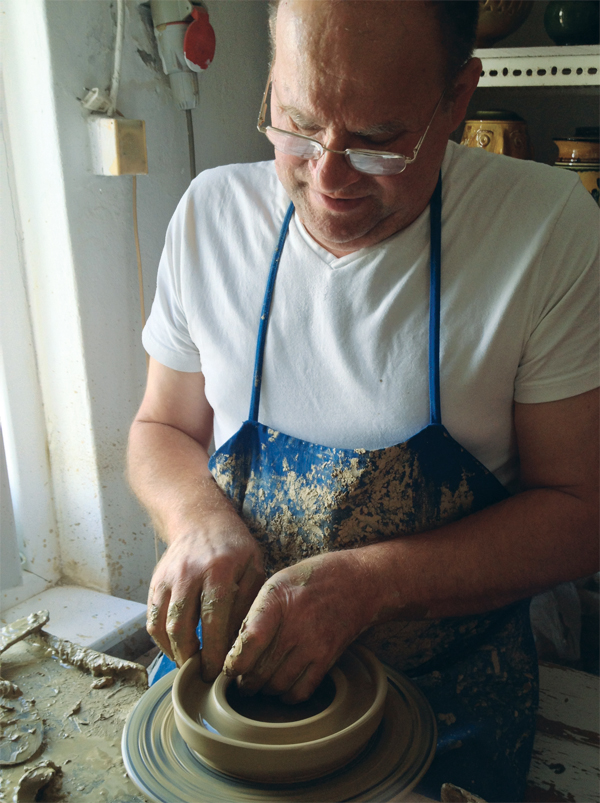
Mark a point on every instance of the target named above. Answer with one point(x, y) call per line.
point(560, 357)
point(166, 336)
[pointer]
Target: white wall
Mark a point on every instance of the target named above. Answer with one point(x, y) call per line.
point(79, 247)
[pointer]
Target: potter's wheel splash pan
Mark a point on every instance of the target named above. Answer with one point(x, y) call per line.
point(164, 768)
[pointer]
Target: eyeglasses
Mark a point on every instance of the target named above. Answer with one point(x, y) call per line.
point(374, 163)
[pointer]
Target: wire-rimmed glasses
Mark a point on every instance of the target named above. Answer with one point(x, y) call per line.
point(372, 162)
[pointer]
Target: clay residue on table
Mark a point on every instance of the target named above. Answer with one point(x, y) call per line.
point(455, 794)
point(97, 663)
point(82, 731)
point(42, 782)
point(21, 727)
point(21, 628)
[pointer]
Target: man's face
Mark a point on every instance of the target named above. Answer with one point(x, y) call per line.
point(359, 75)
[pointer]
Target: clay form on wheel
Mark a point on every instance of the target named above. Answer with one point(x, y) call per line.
point(396, 757)
point(281, 743)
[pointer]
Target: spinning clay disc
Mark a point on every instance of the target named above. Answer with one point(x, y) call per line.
point(267, 741)
point(166, 770)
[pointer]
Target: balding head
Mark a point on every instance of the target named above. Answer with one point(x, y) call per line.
point(337, 48)
point(366, 75)
point(457, 25)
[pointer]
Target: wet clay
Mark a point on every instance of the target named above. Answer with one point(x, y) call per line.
point(38, 783)
point(176, 610)
point(216, 597)
point(394, 760)
point(153, 614)
point(21, 727)
point(82, 727)
point(268, 741)
point(97, 663)
point(21, 628)
point(454, 794)
point(268, 708)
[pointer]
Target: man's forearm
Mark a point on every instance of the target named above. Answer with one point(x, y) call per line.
point(514, 549)
point(212, 568)
point(168, 472)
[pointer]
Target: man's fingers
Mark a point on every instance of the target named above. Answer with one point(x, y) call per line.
point(304, 685)
point(156, 618)
point(215, 612)
point(265, 668)
point(258, 631)
point(182, 618)
point(249, 584)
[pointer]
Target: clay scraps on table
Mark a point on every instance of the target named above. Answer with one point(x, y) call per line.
point(21, 727)
point(455, 794)
point(97, 663)
point(45, 778)
point(21, 628)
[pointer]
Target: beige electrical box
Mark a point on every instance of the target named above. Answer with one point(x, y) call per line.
point(118, 146)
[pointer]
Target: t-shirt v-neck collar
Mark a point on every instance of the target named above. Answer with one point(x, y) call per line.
point(333, 262)
point(369, 253)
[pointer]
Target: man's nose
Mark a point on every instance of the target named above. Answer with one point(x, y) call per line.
point(333, 173)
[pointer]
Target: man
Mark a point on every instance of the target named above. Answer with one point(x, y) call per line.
point(365, 528)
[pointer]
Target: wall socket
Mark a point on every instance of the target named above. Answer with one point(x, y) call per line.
point(118, 146)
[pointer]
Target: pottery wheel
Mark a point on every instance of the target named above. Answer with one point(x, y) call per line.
point(164, 768)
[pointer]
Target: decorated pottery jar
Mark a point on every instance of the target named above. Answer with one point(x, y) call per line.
point(499, 18)
point(573, 22)
point(581, 154)
point(498, 131)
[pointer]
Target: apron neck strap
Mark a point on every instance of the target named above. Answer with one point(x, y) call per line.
point(435, 260)
point(264, 317)
point(435, 214)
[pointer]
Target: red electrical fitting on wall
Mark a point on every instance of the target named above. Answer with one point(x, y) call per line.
point(199, 41)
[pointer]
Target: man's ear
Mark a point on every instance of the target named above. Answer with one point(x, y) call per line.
point(462, 90)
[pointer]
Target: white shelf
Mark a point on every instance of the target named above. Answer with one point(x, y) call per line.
point(89, 618)
point(540, 66)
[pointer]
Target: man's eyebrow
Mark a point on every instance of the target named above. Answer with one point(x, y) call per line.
point(391, 127)
point(301, 120)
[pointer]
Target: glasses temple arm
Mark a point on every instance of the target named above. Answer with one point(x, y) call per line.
point(412, 158)
point(263, 106)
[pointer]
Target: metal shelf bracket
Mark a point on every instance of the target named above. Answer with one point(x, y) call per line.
point(540, 66)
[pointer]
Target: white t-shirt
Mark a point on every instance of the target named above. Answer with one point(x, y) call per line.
point(346, 356)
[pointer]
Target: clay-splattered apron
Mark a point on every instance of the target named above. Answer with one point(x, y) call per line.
point(299, 499)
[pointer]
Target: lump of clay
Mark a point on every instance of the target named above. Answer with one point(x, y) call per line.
point(45, 778)
point(19, 630)
point(21, 728)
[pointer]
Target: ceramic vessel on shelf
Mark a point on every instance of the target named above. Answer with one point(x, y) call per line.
point(500, 18)
point(263, 740)
point(581, 154)
point(573, 22)
point(498, 131)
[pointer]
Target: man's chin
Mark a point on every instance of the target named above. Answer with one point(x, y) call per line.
point(338, 231)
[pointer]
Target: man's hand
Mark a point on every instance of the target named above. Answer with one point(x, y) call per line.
point(300, 623)
point(212, 567)
point(213, 575)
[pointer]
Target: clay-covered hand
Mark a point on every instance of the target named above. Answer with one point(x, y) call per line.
point(300, 623)
point(214, 575)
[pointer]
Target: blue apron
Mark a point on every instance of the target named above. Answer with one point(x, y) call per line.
point(299, 499)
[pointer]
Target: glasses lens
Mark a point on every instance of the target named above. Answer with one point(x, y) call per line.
point(381, 164)
point(292, 144)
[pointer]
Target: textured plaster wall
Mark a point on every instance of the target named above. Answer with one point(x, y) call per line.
point(86, 319)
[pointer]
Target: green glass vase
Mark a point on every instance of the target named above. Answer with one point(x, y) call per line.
point(573, 22)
